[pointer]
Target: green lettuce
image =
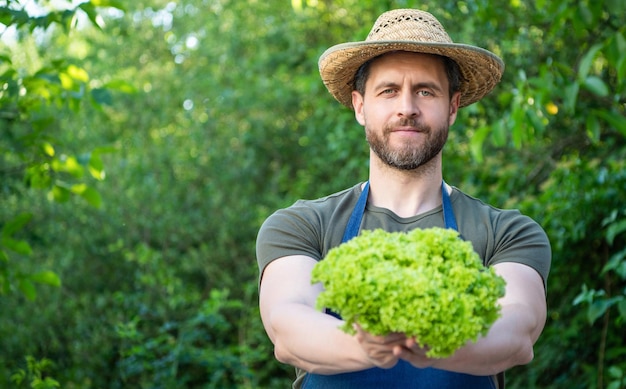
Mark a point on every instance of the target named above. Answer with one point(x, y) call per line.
point(428, 284)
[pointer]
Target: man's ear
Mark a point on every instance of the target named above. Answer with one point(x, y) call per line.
point(455, 101)
point(357, 104)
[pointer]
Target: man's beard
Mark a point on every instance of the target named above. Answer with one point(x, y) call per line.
point(408, 156)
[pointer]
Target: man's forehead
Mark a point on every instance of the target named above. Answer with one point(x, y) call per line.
point(408, 57)
point(401, 64)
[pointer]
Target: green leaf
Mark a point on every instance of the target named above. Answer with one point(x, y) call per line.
point(89, 194)
point(476, 142)
point(92, 14)
point(16, 224)
point(101, 96)
point(595, 310)
point(108, 3)
point(614, 230)
point(27, 288)
point(615, 47)
point(76, 73)
point(615, 120)
point(50, 383)
point(48, 149)
point(593, 128)
point(585, 63)
point(18, 246)
point(5, 58)
point(596, 86)
point(46, 278)
point(587, 295)
point(19, 376)
point(498, 133)
point(96, 167)
point(60, 194)
point(615, 372)
point(121, 86)
point(68, 164)
point(571, 96)
point(599, 307)
point(536, 122)
point(15, 17)
point(616, 263)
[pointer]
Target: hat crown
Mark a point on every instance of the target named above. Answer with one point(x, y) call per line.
point(408, 25)
point(414, 31)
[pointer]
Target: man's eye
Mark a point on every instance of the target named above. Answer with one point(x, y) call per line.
point(424, 93)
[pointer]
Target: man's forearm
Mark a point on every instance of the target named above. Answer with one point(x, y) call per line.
point(312, 341)
point(509, 343)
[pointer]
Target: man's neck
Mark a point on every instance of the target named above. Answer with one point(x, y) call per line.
point(405, 193)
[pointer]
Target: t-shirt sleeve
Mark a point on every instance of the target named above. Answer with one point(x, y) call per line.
point(520, 239)
point(290, 231)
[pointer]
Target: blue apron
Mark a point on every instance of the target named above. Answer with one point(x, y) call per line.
point(403, 375)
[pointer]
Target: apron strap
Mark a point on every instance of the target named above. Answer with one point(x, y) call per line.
point(354, 223)
point(448, 213)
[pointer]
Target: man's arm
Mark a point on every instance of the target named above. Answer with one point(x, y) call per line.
point(510, 340)
point(307, 338)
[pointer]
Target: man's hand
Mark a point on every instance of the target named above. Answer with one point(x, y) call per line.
point(413, 353)
point(380, 349)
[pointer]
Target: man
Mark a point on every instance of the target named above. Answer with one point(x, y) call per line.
point(405, 84)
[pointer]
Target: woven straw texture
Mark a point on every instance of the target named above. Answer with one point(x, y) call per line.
point(416, 31)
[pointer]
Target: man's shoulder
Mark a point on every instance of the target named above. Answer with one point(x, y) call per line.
point(316, 210)
point(332, 199)
point(326, 205)
point(474, 213)
point(468, 203)
point(307, 227)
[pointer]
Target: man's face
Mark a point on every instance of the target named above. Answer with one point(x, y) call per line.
point(406, 109)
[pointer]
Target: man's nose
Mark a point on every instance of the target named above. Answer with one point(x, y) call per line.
point(408, 105)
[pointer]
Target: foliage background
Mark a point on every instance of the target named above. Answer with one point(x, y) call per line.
point(143, 143)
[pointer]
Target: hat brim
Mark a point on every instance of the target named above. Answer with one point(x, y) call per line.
point(481, 70)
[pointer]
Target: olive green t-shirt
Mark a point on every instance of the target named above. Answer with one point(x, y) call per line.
point(313, 227)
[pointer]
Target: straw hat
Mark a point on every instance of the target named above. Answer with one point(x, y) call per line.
point(416, 31)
